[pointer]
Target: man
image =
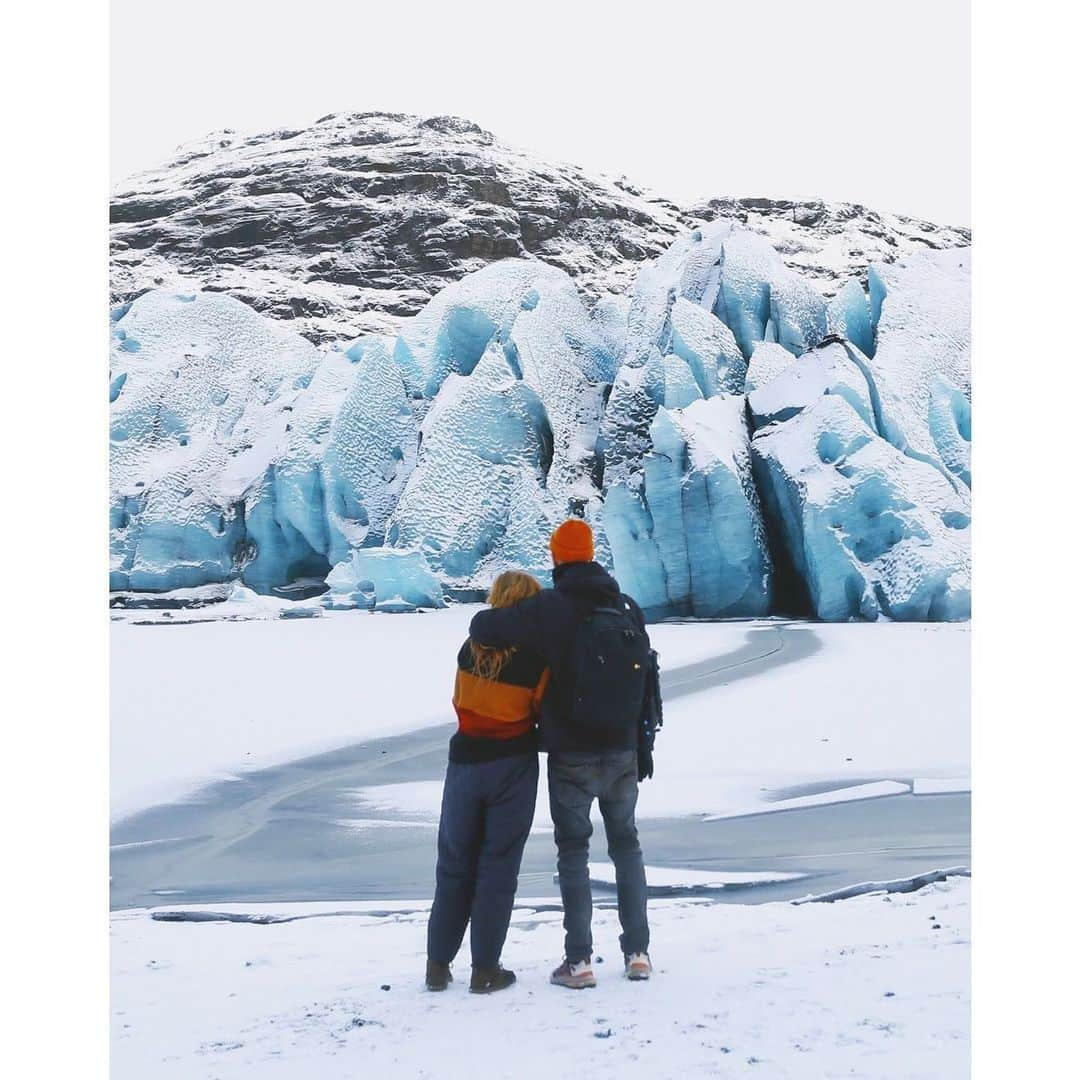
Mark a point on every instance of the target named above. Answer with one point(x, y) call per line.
point(588, 632)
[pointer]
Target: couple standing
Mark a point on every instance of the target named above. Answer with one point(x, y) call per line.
point(568, 670)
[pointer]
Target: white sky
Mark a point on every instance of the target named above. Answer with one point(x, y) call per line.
point(840, 99)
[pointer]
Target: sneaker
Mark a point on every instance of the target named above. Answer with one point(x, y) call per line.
point(490, 980)
point(638, 966)
point(574, 976)
point(438, 976)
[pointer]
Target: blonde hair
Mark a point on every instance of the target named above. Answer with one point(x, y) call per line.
point(510, 587)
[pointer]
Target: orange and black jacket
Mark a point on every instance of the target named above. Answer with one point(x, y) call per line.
point(497, 717)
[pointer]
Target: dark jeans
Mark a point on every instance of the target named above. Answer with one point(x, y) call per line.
point(487, 811)
point(574, 780)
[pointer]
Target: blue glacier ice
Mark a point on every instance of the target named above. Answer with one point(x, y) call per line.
point(203, 388)
point(453, 330)
point(762, 300)
point(624, 442)
point(531, 516)
point(949, 421)
point(629, 531)
point(680, 386)
point(609, 317)
point(565, 356)
point(922, 321)
point(239, 450)
point(766, 362)
point(689, 540)
point(383, 579)
point(371, 449)
point(638, 391)
point(849, 317)
point(708, 347)
point(483, 435)
point(560, 350)
point(829, 369)
point(734, 276)
point(349, 448)
point(287, 531)
point(870, 530)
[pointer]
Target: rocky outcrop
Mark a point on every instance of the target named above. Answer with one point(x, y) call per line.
point(349, 225)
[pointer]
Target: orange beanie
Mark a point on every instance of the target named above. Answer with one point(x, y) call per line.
point(572, 541)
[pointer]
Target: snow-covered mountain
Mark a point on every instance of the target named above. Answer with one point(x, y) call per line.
point(351, 225)
point(753, 419)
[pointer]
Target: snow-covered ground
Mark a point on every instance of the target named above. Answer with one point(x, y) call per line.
point(875, 986)
point(761, 716)
point(198, 702)
point(858, 711)
point(863, 707)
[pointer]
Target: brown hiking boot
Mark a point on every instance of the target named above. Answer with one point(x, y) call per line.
point(638, 966)
point(438, 975)
point(489, 980)
point(577, 976)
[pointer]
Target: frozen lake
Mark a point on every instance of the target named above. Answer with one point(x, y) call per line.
point(358, 822)
point(292, 834)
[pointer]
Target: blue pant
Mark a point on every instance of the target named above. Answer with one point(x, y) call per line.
point(574, 781)
point(487, 812)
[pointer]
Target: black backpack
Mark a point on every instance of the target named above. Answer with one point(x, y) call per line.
point(652, 711)
point(610, 666)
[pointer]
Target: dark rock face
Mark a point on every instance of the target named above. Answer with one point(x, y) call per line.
point(352, 224)
point(355, 222)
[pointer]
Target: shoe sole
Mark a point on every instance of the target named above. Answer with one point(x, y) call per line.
point(639, 976)
point(491, 989)
point(575, 984)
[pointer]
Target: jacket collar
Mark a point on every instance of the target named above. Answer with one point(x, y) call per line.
point(584, 577)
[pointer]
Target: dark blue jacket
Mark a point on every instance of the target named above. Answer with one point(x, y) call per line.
point(547, 624)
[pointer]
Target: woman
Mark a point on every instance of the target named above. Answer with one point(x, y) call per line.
point(488, 800)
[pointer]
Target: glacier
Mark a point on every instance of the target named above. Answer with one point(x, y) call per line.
point(833, 368)
point(849, 317)
point(922, 360)
point(741, 445)
point(870, 531)
point(737, 277)
point(202, 391)
point(384, 579)
point(485, 434)
point(688, 539)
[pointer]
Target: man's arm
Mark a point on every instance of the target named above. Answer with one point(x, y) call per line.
point(520, 625)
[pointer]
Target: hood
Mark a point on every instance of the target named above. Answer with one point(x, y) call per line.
point(586, 579)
